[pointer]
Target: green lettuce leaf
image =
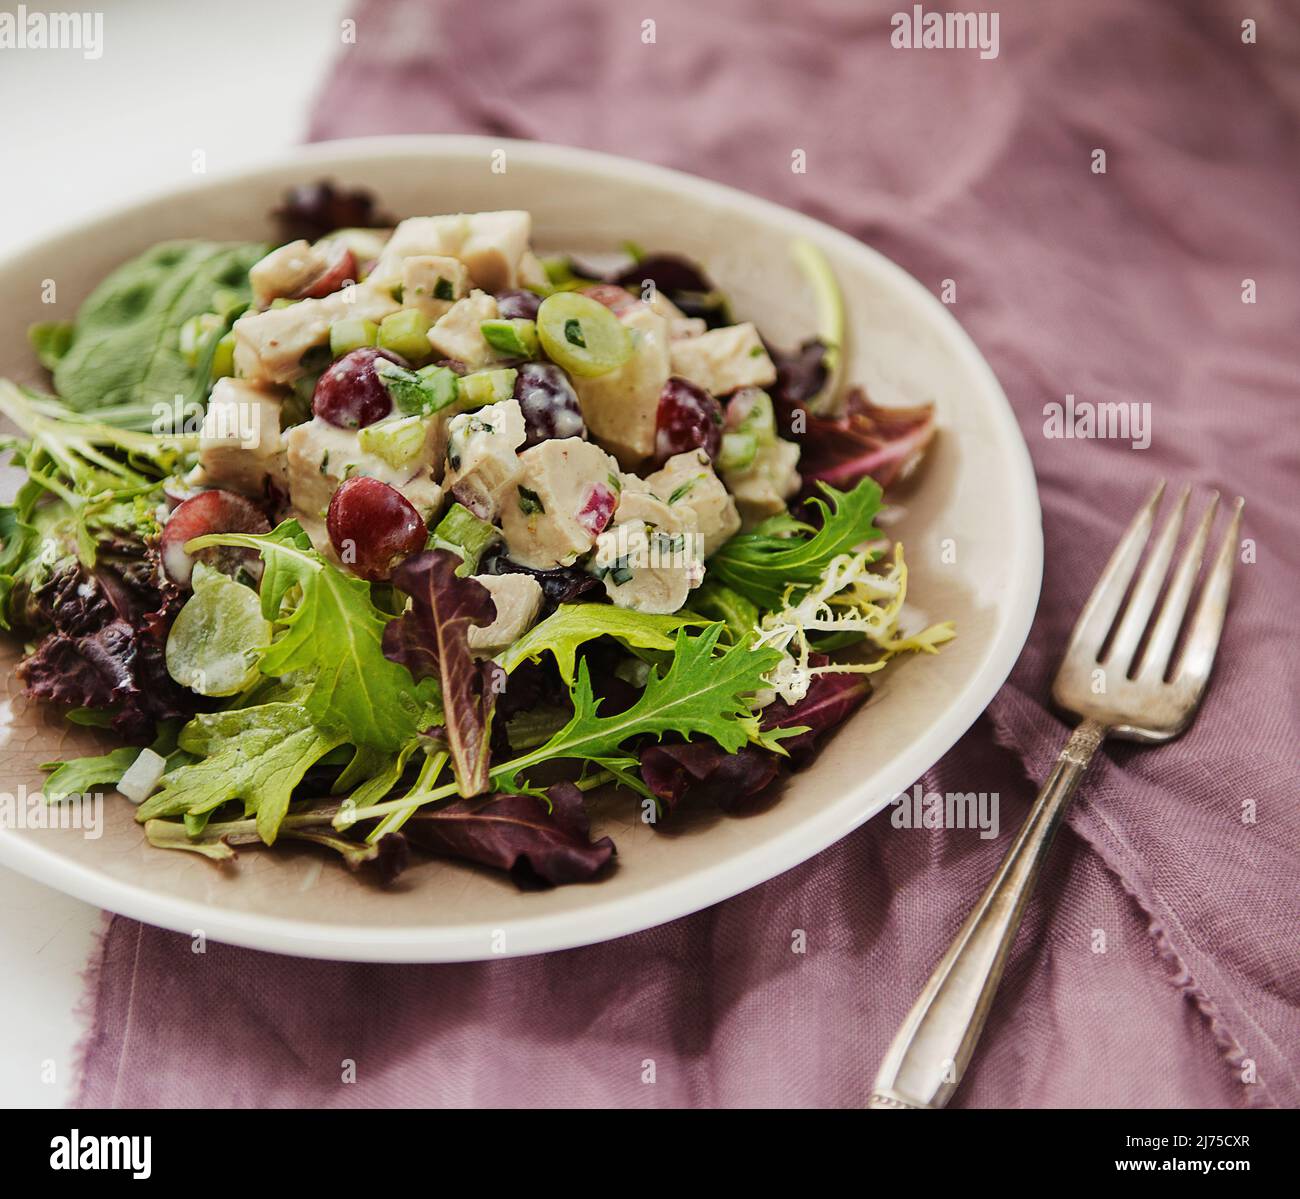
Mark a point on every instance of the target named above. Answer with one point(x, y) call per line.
point(125, 344)
point(333, 638)
point(257, 755)
point(570, 625)
point(702, 694)
point(784, 553)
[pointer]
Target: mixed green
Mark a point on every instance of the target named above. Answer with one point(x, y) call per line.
point(403, 538)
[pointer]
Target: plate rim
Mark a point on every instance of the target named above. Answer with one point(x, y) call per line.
point(674, 898)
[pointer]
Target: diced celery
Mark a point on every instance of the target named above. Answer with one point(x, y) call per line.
point(352, 333)
point(738, 450)
point(398, 442)
point(487, 387)
point(223, 357)
point(195, 333)
point(422, 392)
point(406, 333)
point(517, 337)
point(467, 534)
point(760, 419)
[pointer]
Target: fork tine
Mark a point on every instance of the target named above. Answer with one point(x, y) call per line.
point(1170, 620)
point(1103, 604)
point(1134, 621)
point(1211, 608)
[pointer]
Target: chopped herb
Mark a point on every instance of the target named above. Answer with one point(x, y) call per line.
point(530, 503)
point(324, 461)
point(443, 290)
point(757, 352)
point(573, 333)
point(620, 572)
point(680, 491)
point(615, 482)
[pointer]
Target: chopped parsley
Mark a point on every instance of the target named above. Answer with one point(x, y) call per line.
point(530, 503)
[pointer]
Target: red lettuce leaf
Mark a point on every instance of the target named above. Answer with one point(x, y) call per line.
point(884, 443)
point(701, 770)
point(561, 585)
point(517, 833)
point(432, 641)
point(831, 700)
point(312, 210)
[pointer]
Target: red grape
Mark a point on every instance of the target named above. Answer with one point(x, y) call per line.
point(350, 393)
point(211, 512)
point(597, 509)
point(517, 304)
point(689, 418)
point(617, 299)
point(549, 403)
point(342, 268)
point(372, 526)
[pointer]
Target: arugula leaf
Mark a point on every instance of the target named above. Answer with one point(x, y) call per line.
point(761, 565)
point(702, 694)
point(572, 624)
point(258, 755)
point(126, 341)
point(432, 641)
point(333, 637)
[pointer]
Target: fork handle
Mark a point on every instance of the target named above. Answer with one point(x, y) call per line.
point(931, 1050)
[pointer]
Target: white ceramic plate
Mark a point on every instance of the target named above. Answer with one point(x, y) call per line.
point(976, 494)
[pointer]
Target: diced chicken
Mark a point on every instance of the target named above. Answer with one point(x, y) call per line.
point(496, 245)
point(433, 284)
point(679, 324)
point(482, 465)
point(321, 456)
point(518, 598)
point(552, 519)
point(270, 345)
point(532, 274)
point(723, 360)
point(687, 483)
point(621, 408)
point(491, 244)
point(286, 271)
point(651, 557)
point(764, 486)
point(240, 447)
point(457, 334)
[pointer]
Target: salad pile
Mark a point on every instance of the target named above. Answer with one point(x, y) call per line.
point(394, 538)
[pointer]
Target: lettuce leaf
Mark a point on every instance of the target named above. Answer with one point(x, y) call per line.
point(782, 553)
point(332, 637)
point(431, 640)
point(571, 625)
point(257, 755)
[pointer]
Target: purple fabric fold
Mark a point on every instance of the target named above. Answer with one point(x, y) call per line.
point(1158, 962)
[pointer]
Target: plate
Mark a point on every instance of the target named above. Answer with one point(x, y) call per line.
point(969, 520)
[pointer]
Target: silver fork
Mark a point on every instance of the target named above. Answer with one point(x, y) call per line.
point(1116, 694)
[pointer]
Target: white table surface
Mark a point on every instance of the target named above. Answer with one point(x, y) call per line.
point(234, 80)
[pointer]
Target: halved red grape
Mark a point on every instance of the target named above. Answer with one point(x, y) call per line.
point(341, 269)
point(211, 512)
point(518, 304)
point(549, 403)
point(372, 526)
point(350, 394)
point(617, 299)
point(597, 509)
point(689, 418)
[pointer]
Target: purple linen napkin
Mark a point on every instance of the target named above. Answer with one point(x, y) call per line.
point(1120, 287)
